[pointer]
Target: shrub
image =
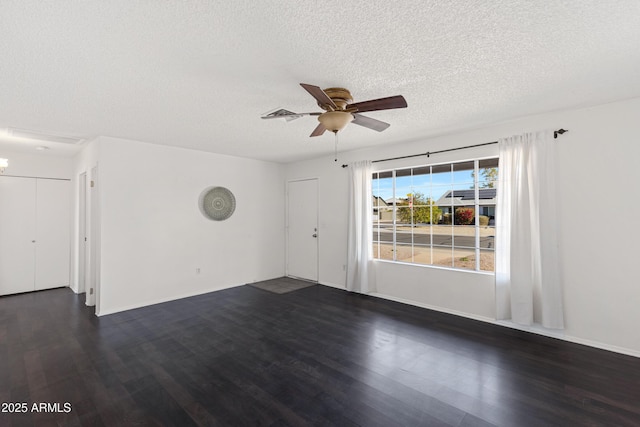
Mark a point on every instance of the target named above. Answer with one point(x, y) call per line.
point(484, 220)
point(446, 219)
point(424, 210)
point(464, 216)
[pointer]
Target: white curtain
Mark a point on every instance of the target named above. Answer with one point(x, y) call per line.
point(359, 244)
point(528, 279)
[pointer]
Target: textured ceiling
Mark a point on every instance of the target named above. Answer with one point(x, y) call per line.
point(199, 74)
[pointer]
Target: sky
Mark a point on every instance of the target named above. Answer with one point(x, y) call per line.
point(432, 181)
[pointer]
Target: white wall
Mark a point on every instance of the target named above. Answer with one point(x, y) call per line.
point(597, 191)
point(37, 165)
point(153, 236)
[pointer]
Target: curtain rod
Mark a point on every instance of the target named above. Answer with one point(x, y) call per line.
point(429, 153)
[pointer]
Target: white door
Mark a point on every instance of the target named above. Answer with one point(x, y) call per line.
point(302, 229)
point(17, 234)
point(53, 202)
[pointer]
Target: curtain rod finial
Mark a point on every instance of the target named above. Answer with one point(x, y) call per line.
point(559, 132)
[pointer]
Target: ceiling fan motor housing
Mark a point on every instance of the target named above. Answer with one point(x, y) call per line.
point(340, 96)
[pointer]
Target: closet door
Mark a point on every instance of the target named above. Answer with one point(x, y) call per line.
point(17, 234)
point(53, 205)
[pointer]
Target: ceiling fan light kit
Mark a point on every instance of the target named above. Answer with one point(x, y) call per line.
point(339, 110)
point(335, 121)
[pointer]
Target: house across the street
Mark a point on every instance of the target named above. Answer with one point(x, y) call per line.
point(453, 199)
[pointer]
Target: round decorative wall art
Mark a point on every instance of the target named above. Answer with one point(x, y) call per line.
point(217, 203)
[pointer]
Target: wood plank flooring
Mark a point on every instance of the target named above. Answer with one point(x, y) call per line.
point(317, 356)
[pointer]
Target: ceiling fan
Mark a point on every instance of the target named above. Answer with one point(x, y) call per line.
point(339, 110)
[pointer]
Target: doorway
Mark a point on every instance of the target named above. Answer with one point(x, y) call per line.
point(94, 242)
point(302, 229)
point(82, 233)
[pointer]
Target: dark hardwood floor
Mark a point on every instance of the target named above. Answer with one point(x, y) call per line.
point(317, 356)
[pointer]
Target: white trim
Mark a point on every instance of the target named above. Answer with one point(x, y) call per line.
point(439, 267)
point(333, 285)
point(476, 204)
point(37, 177)
point(433, 307)
point(559, 334)
point(535, 329)
point(82, 259)
point(166, 299)
point(298, 278)
point(95, 232)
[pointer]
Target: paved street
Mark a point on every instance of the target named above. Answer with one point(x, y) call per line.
point(438, 239)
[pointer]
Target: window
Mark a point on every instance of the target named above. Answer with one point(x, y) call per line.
point(441, 215)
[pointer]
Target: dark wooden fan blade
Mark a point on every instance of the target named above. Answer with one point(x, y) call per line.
point(389, 103)
point(322, 98)
point(370, 123)
point(319, 130)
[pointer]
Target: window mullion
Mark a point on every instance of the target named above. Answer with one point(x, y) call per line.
point(431, 224)
point(453, 222)
point(395, 211)
point(412, 206)
point(476, 209)
point(378, 219)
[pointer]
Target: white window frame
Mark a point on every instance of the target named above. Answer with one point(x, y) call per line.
point(476, 204)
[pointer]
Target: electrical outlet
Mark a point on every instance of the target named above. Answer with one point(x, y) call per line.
point(198, 270)
point(90, 291)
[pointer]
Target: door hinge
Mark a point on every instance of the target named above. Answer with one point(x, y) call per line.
point(91, 183)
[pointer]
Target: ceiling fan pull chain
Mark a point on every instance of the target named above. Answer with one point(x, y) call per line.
point(336, 148)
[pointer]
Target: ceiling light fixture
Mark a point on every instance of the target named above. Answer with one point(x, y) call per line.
point(4, 163)
point(335, 121)
point(339, 110)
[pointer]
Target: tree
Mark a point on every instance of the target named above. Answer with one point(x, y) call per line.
point(489, 177)
point(421, 210)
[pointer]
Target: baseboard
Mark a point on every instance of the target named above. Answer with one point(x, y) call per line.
point(559, 334)
point(535, 329)
point(433, 307)
point(332, 285)
point(163, 300)
point(293, 277)
point(615, 349)
point(532, 329)
point(76, 291)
